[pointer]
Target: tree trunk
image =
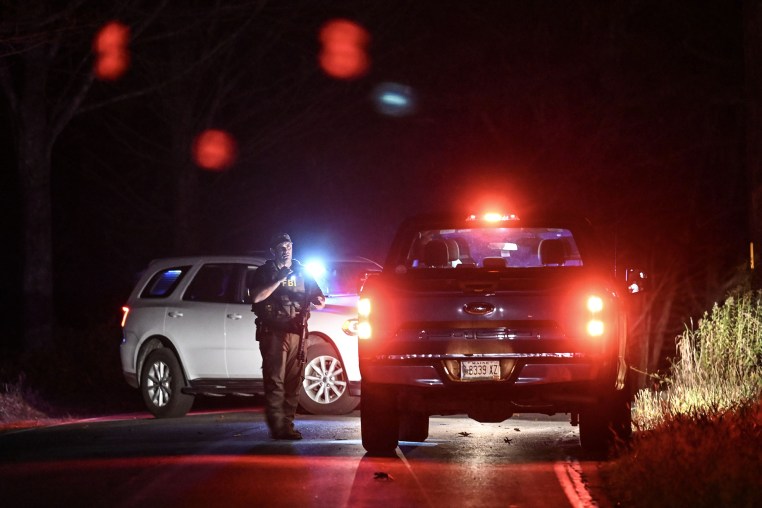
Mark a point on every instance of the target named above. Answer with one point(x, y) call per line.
point(34, 157)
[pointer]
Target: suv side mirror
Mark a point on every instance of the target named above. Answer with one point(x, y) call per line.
point(636, 281)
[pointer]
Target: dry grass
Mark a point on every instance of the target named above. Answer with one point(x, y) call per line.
point(14, 405)
point(80, 377)
point(696, 461)
point(700, 436)
point(719, 365)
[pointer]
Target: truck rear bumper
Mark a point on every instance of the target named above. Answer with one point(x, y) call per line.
point(546, 388)
point(526, 374)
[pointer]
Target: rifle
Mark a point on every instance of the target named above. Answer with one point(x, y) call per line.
point(304, 315)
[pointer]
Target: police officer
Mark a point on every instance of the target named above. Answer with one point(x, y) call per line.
point(282, 289)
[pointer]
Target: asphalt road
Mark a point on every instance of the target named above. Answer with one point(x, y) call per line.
point(226, 458)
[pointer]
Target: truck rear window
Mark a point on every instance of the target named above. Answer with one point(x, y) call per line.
point(507, 247)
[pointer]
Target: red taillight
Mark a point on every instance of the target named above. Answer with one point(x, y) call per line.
point(364, 330)
point(590, 312)
point(595, 328)
point(594, 304)
point(125, 310)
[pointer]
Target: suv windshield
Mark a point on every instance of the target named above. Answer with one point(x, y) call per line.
point(484, 247)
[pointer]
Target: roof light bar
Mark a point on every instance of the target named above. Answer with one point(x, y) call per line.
point(493, 217)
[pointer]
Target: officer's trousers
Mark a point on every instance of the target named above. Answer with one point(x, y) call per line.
point(282, 378)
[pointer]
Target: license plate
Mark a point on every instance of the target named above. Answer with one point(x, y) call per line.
point(480, 369)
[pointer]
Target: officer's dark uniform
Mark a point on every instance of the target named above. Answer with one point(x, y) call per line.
point(278, 332)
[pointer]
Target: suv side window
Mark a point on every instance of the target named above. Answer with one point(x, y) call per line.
point(249, 282)
point(212, 283)
point(164, 282)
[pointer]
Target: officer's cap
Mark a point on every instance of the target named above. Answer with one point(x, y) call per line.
point(279, 239)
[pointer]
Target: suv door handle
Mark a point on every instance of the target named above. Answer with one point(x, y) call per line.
point(235, 316)
point(173, 313)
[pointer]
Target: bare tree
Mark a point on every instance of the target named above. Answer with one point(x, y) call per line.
point(34, 36)
point(46, 75)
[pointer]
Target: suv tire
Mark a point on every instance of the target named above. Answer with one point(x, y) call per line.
point(325, 389)
point(602, 427)
point(379, 419)
point(161, 384)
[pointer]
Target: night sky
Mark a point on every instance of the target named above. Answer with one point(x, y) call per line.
point(629, 113)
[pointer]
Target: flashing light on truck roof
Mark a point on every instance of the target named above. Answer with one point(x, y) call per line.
point(493, 217)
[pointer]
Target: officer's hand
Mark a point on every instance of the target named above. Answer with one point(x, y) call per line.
point(283, 273)
point(319, 302)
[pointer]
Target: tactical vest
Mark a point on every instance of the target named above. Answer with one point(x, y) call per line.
point(285, 303)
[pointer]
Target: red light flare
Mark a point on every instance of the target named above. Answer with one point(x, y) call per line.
point(492, 189)
point(112, 57)
point(344, 54)
point(214, 150)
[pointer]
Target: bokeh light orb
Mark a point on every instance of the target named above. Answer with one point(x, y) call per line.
point(344, 49)
point(394, 99)
point(112, 56)
point(214, 150)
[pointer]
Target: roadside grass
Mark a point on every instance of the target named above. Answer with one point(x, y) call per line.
point(700, 435)
point(79, 377)
point(19, 403)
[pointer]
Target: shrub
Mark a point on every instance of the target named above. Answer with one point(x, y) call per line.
point(718, 368)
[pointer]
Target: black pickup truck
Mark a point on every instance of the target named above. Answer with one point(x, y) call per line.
point(490, 316)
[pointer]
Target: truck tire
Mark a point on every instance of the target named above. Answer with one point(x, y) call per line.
point(325, 389)
point(161, 384)
point(379, 419)
point(413, 427)
point(602, 427)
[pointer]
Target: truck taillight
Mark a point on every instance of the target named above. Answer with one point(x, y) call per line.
point(595, 326)
point(595, 304)
point(364, 330)
point(125, 310)
point(363, 307)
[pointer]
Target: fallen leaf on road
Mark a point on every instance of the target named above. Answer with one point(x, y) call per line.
point(464, 434)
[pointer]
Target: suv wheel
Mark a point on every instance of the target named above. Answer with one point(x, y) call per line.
point(161, 383)
point(325, 390)
point(602, 426)
point(414, 427)
point(379, 419)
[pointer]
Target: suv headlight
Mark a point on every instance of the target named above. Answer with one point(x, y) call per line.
point(350, 327)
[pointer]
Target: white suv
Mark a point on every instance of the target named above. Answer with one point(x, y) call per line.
point(188, 330)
